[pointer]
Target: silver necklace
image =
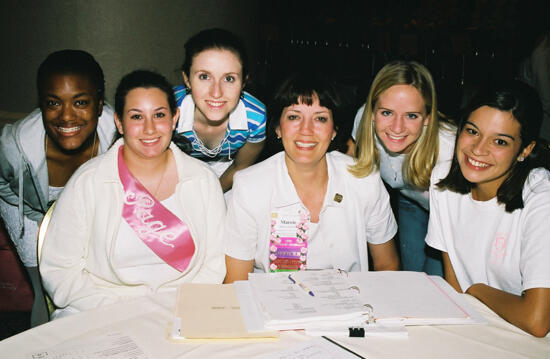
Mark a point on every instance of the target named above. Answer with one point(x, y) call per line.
point(209, 152)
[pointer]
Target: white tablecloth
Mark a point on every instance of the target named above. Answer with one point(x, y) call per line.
point(146, 320)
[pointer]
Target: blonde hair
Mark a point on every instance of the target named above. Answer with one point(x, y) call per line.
point(419, 162)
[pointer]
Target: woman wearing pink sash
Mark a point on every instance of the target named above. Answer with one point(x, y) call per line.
point(144, 217)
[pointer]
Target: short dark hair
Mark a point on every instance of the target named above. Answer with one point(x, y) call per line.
point(304, 87)
point(76, 62)
point(143, 79)
point(214, 39)
point(522, 101)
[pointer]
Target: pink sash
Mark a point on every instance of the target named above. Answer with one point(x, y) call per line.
point(153, 223)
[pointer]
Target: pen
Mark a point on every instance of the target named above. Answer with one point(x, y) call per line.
point(301, 285)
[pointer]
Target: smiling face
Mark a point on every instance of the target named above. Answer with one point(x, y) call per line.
point(306, 132)
point(487, 148)
point(215, 80)
point(70, 108)
point(399, 117)
point(146, 123)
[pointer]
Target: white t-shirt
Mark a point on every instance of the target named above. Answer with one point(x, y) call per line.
point(361, 214)
point(486, 244)
point(391, 164)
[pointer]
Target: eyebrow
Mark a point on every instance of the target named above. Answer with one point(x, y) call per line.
point(156, 109)
point(75, 96)
point(315, 113)
point(498, 134)
point(389, 109)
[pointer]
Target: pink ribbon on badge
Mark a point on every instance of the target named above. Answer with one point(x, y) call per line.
point(154, 224)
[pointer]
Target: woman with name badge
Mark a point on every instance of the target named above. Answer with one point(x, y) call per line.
point(225, 125)
point(302, 208)
point(144, 217)
point(401, 135)
point(490, 208)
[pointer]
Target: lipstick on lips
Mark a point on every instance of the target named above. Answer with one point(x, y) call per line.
point(215, 104)
point(305, 145)
point(150, 141)
point(478, 165)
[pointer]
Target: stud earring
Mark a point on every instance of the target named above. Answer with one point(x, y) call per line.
point(521, 158)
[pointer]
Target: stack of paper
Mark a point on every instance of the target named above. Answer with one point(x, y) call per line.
point(333, 299)
point(306, 299)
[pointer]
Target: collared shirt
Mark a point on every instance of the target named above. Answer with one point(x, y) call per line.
point(246, 124)
point(355, 211)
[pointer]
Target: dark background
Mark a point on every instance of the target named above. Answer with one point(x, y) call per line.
point(464, 43)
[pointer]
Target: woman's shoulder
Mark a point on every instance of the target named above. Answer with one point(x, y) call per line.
point(440, 171)
point(341, 163)
point(27, 127)
point(180, 91)
point(263, 171)
point(252, 102)
point(447, 135)
point(340, 160)
point(191, 167)
point(537, 186)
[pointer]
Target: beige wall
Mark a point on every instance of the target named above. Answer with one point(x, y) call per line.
point(123, 35)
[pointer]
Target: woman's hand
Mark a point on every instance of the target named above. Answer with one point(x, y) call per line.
point(237, 269)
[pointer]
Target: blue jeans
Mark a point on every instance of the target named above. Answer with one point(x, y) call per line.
point(416, 255)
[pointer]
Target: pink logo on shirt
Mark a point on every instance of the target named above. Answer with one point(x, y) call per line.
point(498, 252)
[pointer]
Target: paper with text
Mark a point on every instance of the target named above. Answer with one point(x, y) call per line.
point(286, 305)
point(115, 345)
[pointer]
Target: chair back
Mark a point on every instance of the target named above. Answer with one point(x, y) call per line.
point(42, 231)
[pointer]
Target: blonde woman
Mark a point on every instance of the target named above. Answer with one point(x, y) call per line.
point(398, 132)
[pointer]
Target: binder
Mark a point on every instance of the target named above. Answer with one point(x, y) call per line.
point(357, 299)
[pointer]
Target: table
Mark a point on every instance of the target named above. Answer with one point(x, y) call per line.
point(146, 320)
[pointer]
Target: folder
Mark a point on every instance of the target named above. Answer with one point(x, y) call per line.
point(211, 312)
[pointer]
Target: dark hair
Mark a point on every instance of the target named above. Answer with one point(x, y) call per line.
point(148, 79)
point(523, 102)
point(143, 79)
point(214, 39)
point(76, 62)
point(305, 87)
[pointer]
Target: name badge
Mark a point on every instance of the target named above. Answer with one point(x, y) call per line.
point(288, 242)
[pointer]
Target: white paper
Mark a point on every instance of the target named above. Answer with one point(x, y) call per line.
point(317, 348)
point(108, 346)
point(286, 305)
point(252, 317)
point(411, 298)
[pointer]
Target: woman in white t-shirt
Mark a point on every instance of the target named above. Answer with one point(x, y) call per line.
point(302, 208)
point(401, 135)
point(489, 214)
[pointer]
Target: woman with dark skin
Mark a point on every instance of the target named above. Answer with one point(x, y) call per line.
point(39, 153)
